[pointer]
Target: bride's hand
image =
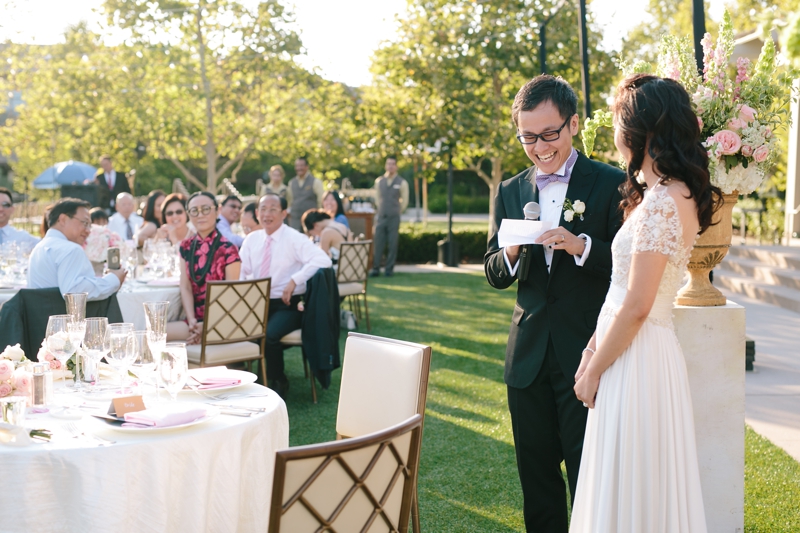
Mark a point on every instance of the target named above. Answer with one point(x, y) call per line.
point(585, 357)
point(586, 389)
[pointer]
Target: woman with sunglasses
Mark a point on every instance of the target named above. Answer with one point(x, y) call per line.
point(152, 217)
point(174, 220)
point(207, 256)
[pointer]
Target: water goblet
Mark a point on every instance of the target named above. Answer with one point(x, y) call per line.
point(173, 367)
point(121, 352)
point(59, 342)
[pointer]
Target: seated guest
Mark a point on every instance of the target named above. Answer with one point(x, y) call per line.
point(59, 260)
point(152, 217)
point(98, 215)
point(318, 224)
point(125, 222)
point(290, 259)
point(229, 214)
point(10, 233)
point(206, 256)
point(332, 204)
point(174, 220)
point(249, 218)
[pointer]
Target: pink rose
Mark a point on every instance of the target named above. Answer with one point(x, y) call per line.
point(700, 123)
point(22, 380)
point(729, 142)
point(49, 357)
point(747, 150)
point(55, 364)
point(747, 113)
point(5, 389)
point(761, 153)
point(736, 124)
point(6, 369)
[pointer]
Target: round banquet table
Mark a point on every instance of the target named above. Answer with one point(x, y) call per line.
point(215, 476)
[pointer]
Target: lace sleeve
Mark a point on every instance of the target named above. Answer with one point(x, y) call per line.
point(658, 226)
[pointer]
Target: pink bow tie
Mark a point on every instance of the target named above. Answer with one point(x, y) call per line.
point(543, 180)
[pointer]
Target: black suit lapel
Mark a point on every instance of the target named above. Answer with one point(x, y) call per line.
point(580, 186)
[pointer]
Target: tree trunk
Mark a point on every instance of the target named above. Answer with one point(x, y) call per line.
point(211, 149)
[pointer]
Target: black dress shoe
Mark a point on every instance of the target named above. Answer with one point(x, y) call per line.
point(389, 273)
point(281, 386)
point(374, 273)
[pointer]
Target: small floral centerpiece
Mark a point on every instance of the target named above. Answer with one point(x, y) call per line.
point(14, 380)
point(98, 242)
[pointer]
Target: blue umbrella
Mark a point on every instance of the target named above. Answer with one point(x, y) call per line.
point(64, 173)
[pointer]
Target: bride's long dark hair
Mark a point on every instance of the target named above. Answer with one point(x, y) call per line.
point(656, 114)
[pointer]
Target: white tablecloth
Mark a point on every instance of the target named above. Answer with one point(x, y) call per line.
point(214, 477)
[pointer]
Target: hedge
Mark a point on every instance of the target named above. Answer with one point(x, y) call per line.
point(420, 247)
point(461, 204)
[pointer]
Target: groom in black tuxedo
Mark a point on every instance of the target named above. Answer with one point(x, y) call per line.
point(560, 299)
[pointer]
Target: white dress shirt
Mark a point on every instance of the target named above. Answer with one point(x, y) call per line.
point(116, 223)
point(294, 257)
point(9, 233)
point(224, 227)
point(551, 202)
point(58, 262)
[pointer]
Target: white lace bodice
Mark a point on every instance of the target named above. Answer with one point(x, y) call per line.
point(654, 226)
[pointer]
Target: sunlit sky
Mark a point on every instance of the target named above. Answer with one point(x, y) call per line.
point(339, 35)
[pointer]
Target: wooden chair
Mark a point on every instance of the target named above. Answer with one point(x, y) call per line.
point(384, 381)
point(354, 485)
point(236, 314)
point(295, 338)
point(352, 275)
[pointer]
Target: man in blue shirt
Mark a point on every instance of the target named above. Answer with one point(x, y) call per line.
point(228, 214)
point(59, 260)
point(10, 233)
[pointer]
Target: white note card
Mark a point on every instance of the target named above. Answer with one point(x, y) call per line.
point(517, 232)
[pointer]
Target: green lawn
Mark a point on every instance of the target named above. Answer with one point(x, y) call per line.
point(442, 226)
point(468, 477)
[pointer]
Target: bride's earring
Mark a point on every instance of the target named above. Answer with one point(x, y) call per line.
point(640, 178)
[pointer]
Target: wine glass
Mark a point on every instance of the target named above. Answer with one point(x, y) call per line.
point(76, 308)
point(121, 352)
point(97, 341)
point(59, 341)
point(173, 367)
point(144, 364)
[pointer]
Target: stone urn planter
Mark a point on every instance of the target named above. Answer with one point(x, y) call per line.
point(709, 251)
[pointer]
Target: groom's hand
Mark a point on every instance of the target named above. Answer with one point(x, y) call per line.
point(561, 239)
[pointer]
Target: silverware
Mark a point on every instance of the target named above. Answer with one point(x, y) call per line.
point(76, 432)
point(243, 407)
point(237, 395)
point(236, 413)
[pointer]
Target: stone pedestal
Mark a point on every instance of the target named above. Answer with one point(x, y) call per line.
point(713, 343)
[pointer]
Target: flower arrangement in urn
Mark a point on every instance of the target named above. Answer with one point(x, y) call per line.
point(98, 242)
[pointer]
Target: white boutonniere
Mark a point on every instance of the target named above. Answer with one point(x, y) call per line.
point(573, 208)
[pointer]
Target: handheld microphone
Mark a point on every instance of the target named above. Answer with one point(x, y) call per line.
point(532, 212)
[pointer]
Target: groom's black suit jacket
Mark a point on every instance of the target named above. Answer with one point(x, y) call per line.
point(564, 304)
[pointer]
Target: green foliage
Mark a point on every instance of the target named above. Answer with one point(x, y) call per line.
point(418, 246)
point(461, 204)
point(601, 119)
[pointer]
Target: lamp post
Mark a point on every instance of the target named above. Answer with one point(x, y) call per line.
point(583, 44)
point(699, 25)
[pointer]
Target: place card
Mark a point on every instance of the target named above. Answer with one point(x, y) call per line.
point(128, 404)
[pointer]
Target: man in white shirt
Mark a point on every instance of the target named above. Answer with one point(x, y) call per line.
point(10, 233)
point(125, 222)
point(228, 214)
point(290, 259)
point(59, 260)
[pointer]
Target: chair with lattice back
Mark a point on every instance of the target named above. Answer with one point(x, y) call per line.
point(352, 275)
point(236, 314)
point(354, 485)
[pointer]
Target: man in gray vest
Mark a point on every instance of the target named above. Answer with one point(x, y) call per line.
point(391, 197)
point(305, 192)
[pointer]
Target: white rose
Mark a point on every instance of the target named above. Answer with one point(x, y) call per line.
point(579, 207)
point(568, 215)
point(13, 353)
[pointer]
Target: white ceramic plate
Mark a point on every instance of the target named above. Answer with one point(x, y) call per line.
point(245, 377)
point(211, 412)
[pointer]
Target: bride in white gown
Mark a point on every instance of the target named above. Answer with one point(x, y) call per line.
point(639, 471)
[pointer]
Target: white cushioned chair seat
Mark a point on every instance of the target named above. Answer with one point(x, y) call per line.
point(294, 338)
point(377, 369)
point(224, 353)
point(348, 289)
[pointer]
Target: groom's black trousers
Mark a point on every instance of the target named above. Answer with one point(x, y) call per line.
point(548, 423)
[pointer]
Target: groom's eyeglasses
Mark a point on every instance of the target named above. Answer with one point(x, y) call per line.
point(546, 136)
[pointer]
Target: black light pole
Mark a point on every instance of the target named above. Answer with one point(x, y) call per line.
point(543, 47)
point(699, 23)
point(450, 244)
point(583, 45)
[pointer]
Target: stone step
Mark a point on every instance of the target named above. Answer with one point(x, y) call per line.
point(759, 290)
point(777, 256)
point(751, 268)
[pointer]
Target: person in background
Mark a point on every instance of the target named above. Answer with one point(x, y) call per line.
point(175, 225)
point(98, 215)
point(276, 185)
point(9, 233)
point(152, 217)
point(391, 197)
point(332, 204)
point(290, 259)
point(229, 214)
point(125, 222)
point(110, 184)
point(330, 234)
point(59, 260)
point(305, 192)
point(206, 256)
point(249, 218)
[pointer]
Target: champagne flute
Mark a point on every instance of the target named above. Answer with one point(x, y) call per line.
point(59, 341)
point(97, 341)
point(76, 308)
point(173, 368)
point(155, 316)
point(121, 353)
point(144, 364)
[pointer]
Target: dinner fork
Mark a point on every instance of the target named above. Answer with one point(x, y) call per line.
point(238, 395)
point(76, 432)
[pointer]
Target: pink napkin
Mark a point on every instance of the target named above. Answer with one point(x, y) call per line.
point(162, 417)
point(215, 383)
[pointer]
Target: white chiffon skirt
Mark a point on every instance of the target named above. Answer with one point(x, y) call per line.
point(639, 471)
